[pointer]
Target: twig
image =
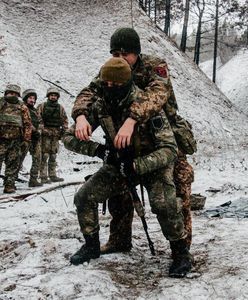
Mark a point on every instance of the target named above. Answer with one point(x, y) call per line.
point(67, 92)
point(63, 197)
point(37, 192)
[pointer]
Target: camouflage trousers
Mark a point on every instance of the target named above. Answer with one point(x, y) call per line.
point(121, 209)
point(35, 150)
point(49, 150)
point(10, 153)
point(108, 182)
point(183, 177)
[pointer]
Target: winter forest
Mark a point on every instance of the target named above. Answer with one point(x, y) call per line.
point(63, 44)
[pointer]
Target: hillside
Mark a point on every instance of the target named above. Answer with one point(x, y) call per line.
point(66, 44)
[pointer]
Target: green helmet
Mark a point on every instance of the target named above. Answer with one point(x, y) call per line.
point(125, 39)
point(28, 93)
point(53, 90)
point(12, 88)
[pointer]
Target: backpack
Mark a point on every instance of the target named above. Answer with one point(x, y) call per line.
point(184, 136)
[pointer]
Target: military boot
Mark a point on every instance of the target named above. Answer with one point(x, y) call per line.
point(182, 259)
point(56, 179)
point(90, 250)
point(33, 182)
point(8, 189)
point(45, 180)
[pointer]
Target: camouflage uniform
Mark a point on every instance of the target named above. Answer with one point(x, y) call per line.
point(154, 164)
point(35, 146)
point(55, 123)
point(15, 127)
point(151, 75)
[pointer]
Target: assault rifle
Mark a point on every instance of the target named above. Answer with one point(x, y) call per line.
point(109, 127)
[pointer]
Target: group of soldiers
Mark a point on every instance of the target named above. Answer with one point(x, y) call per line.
point(132, 99)
point(24, 128)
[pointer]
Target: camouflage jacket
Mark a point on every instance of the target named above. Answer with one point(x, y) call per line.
point(15, 121)
point(54, 131)
point(154, 145)
point(151, 75)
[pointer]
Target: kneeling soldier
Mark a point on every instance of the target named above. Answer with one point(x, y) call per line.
point(150, 157)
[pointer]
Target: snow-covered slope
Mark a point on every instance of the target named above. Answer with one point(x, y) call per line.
point(233, 80)
point(67, 41)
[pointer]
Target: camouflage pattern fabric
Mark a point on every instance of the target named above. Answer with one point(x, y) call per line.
point(108, 181)
point(183, 177)
point(17, 111)
point(151, 75)
point(121, 207)
point(157, 152)
point(49, 150)
point(10, 154)
point(35, 150)
point(34, 147)
point(50, 138)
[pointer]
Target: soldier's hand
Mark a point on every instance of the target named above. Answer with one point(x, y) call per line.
point(123, 136)
point(83, 129)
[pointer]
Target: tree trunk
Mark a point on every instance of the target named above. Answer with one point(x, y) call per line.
point(167, 17)
point(198, 34)
point(216, 39)
point(185, 27)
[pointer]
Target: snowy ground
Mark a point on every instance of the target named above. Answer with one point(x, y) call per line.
point(66, 42)
point(39, 235)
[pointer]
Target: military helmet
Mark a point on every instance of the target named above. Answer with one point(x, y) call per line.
point(12, 88)
point(53, 90)
point(117, 70)
point(28, 93)
point(125, 39)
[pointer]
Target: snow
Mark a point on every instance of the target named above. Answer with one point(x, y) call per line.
point(66, 42)
point(232, 78)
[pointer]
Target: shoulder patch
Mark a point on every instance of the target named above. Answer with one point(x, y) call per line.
point(162, 71)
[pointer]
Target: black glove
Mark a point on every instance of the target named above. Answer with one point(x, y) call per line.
point(127, 168)
point(108, 155)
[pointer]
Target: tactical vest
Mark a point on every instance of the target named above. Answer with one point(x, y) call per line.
point(34, 117)
point(10, 119)
point(51, 115)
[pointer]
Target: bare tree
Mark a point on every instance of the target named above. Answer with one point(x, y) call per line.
point(216, 39)
point(167, 17)
point(185, 26)
point(201, 8)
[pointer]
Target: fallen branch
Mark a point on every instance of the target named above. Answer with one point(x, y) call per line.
point(60, 87)
point(25, 195)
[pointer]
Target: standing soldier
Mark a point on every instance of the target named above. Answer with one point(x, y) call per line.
point(15, 129)
point(55, 123)
point(29, 97)
point(151, 75)
point(150, 158)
